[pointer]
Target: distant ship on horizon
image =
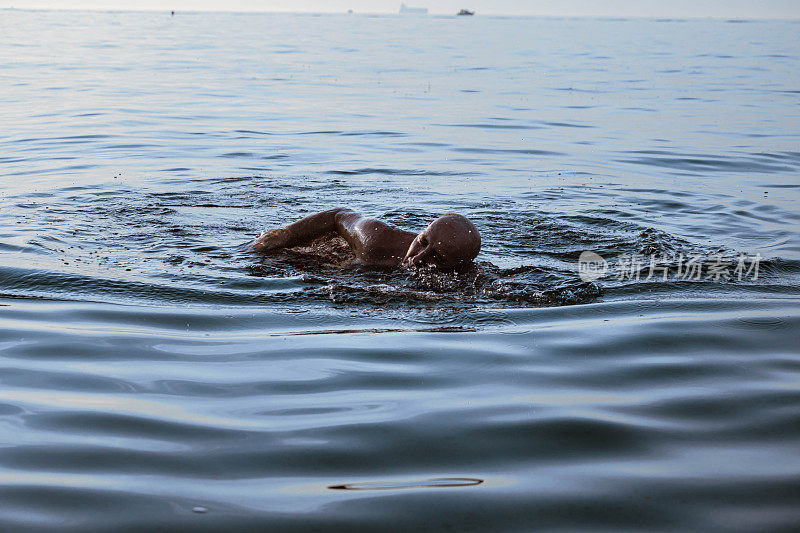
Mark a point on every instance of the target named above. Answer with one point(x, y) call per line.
point(413, 10)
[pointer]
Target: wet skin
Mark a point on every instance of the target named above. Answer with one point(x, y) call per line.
point(450, 242)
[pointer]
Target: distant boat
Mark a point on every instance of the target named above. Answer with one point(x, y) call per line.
point(465, 12)
point(413, 10)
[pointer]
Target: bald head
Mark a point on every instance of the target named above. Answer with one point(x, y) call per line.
point(449, 242)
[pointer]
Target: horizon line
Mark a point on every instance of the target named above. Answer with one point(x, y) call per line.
point(397, 13)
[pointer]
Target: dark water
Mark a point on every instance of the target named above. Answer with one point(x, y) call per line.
point(155, 376)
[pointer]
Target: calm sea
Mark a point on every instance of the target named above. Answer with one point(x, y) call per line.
point(154, 376)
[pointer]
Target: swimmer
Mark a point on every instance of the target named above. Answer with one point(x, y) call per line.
point(450, 242)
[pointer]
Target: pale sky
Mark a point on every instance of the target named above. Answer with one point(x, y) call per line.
point(785, 9)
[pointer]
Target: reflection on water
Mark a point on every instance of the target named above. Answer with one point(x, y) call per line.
point(393, 485)
point(155, 375)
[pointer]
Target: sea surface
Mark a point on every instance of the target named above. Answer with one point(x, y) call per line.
point(157, 376)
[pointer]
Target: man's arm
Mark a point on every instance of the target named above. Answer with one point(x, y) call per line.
point(374, 242)
point(301, 232)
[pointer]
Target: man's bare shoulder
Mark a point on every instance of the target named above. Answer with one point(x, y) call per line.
point(381, 244)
